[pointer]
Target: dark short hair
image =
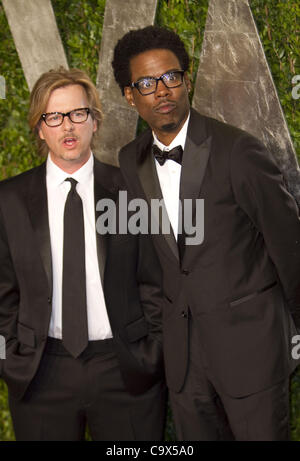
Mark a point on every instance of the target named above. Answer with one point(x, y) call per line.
point(140, 40)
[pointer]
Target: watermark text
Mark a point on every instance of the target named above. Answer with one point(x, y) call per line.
point(2, 87)
point(138, 217)
point(296, 89)
point(2, 348)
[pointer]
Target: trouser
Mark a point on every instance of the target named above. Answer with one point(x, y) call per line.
point(68, 394)
point(202, 411)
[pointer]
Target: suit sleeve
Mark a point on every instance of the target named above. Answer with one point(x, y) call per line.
point(149, 279)
point(133, 293)
point(260, 191)
point(9, 293)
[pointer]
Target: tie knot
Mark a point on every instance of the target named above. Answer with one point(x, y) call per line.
point(174, 154)
point(73, 183)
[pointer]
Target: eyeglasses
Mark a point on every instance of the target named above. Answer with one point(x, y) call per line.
point(148, 85)
point(76, 116)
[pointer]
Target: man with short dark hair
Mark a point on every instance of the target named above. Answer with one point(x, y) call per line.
point(80, 310)
point(231, 301)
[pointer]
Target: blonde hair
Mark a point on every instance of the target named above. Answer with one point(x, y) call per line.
point(50, 81)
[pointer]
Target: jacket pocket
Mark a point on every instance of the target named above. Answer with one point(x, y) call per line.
point(26, 335)
point(252, 295)
point(136, 330)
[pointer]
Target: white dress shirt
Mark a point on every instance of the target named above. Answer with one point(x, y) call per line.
point(169, 176)
point(57, 191)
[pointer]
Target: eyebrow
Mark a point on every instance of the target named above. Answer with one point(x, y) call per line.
point(65, 113)
point(152, 76)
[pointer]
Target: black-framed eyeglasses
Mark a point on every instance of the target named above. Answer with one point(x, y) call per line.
point(56, 118)
point(148, 85)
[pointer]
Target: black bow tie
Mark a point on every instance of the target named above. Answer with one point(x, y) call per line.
point(173, 154)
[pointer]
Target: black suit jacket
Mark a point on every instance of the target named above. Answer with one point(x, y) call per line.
point(242, 284)
point(132, 292)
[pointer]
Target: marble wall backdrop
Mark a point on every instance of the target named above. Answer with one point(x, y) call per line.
point(36, 36)
point(234, 83)
point(120, 121)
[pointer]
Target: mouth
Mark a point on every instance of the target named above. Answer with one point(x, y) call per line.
point(70, 142)
point(165, 107)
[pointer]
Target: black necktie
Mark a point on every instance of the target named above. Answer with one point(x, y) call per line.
point(173, 154)
point(74, 313)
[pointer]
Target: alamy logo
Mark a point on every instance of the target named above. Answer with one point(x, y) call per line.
point(296, 348)
point(2, 347)
point(2, 87)
point(296, 89)
point(137, 217)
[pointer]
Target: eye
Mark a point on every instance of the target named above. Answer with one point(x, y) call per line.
point(146, 83)
point(79, 113)
point(53, 117)
point(171, 76)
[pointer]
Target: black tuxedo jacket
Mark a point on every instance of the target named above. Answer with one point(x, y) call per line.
point(132, 292)
point(241, 286)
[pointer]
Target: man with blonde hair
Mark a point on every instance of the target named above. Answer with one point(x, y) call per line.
point(80, 311)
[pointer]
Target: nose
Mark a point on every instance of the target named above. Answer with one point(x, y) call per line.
point(67, 124)
point(162, 90)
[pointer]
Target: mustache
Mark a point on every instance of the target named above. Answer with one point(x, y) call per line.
point(163, 103)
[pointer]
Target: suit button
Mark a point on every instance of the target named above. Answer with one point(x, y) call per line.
point(185, 272)
point(49, 300)
point(184, 314)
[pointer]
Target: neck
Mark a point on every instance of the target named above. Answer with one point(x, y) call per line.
point(70, 166)
point(164, 138)
point(165, 135)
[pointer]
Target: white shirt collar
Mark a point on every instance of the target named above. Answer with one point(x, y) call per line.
point(179, 139)
point(56, 176)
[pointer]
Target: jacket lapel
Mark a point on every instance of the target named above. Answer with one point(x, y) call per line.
point(195, 159)
point(37, 204)
point(38, 210)
point(101, 193)
point(147, 174)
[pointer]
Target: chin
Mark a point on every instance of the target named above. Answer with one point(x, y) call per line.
point(169, 127)
point(71, 156)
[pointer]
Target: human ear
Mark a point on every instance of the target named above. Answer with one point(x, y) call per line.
point(40, 132)
point(187, 82)
point(129, 95)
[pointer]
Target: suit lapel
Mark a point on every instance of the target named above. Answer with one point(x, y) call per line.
point(193, 168)
point(37, 204)
point(195, 159)
point(196, 154)
point(38, 210)
point(147, 174)
point(101, 193)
